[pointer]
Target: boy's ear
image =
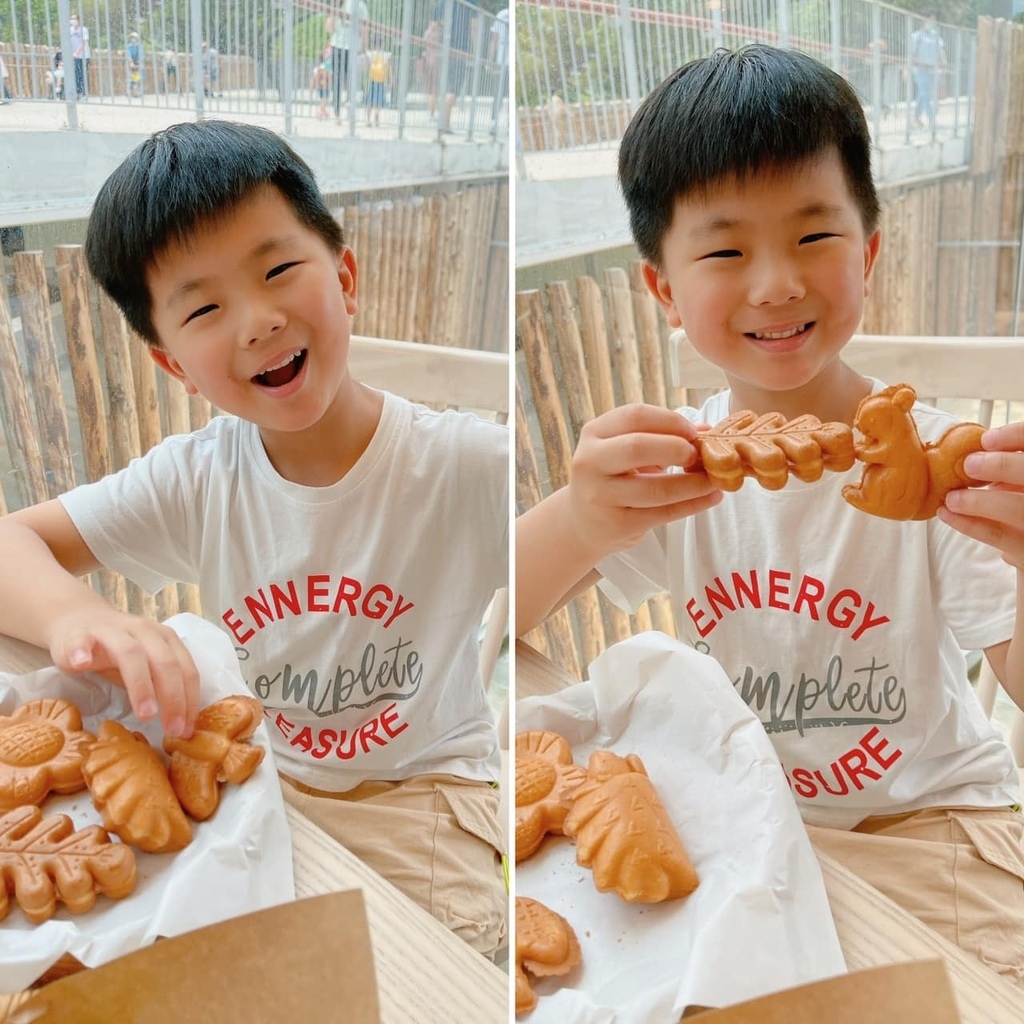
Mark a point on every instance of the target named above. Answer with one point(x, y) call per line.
point(871, 248)
point(659, 287)
point(348, 276)
point(170, 365)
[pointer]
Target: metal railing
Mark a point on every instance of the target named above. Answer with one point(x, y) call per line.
point(583, 66)
point(402, 64)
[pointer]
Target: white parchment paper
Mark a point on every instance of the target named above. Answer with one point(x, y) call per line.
point(240, 860)
point(759, 920)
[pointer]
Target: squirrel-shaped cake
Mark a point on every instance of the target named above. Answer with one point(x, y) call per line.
point(905, 478)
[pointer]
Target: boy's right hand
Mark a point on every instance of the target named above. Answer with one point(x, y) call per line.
point(619, 487)
point(144, 657)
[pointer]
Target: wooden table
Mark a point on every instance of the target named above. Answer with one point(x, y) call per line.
point(425, 974)
point(872, 929)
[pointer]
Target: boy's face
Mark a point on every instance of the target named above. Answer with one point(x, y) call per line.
point(253, 313)
point(768, 277)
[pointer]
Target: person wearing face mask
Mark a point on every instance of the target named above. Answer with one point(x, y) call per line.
point(927, 57)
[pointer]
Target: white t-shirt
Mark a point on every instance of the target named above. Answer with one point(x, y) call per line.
point(843, 632)
point(354, 608)
point(341, 37)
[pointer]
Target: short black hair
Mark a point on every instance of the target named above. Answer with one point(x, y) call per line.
point(731, 115)
point(178, 179)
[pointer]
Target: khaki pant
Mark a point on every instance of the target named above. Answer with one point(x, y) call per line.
point(960, 871)
point(434, 837)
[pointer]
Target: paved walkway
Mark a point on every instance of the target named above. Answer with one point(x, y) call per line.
point(154, 112)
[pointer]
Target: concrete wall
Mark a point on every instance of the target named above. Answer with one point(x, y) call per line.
point(54, 175)
point(563, 209)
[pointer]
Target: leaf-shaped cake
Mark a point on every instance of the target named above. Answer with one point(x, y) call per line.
point(769, 448)
point(624, 834)
point(216, 752)
point(43, 860)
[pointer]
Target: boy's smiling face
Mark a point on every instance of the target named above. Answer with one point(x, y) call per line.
point(768, 278)
point(253, 313)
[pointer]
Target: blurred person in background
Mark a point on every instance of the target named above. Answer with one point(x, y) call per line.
point(5, 91)
point(927, 58)
point(135, 55)
point(461, 48)
point(211, 69)
point(80, 54)
point(344, 41)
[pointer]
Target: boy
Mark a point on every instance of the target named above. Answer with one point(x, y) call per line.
point(347, 540)
point(747, 179)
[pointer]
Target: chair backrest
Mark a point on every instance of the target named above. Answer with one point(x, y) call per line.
point(433, 374)
point(982, 369)
point(979, 379)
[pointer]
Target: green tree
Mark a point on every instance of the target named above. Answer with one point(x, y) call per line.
point(579, 59)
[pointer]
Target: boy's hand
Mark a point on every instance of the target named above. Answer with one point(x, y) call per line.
point(619, 485)
point(144, 657)
point(995, 514)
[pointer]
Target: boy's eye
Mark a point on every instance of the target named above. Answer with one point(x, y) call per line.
point(199, 312)
point(722, 254)
point(817, 237)
point(279, 270)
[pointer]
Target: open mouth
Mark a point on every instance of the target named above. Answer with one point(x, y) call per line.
point(781, 335)
point(284, 372)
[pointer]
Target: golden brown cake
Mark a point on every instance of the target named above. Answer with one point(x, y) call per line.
point(545, 945)
point(903, 477)
point(546, 779)
point(216, 752)
point(130, 788)
point(769, 448)
point(624, 834)
point(43, 860)
point(42, 748)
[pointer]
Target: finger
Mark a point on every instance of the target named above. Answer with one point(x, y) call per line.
point(127, 656)
point(1006, 506)
point(627, 453)
point(655, 490)
point(641, 419)
point(168, 675)
point(643, 520)
point(190, 680)
point(996, 467)
point(73, 653)
point(1007, 438)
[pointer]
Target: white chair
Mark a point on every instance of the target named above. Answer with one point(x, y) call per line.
point(455, 378)
point(977, 378)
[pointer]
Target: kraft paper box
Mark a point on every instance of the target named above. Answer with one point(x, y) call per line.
point(915, 991)
point(309, 961)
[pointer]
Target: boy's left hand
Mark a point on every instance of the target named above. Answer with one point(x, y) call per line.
point(993, 514)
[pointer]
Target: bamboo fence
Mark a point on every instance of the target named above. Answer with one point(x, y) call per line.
point(433, 269)
point(76, 411)
point(582, 355)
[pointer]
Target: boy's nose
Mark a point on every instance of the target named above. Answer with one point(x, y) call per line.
point(775, 282)
point(261, 321)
